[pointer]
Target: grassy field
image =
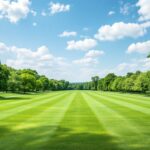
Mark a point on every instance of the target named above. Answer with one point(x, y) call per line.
point(74, 120)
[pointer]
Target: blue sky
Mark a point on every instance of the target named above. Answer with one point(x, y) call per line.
point(75, 39)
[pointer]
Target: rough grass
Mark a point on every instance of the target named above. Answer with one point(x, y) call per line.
point(74, 120)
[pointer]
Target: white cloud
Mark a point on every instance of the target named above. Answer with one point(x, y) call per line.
point(40, 59)
point(125, 66)
point(68, 34)
point(110, 13)
point(14, 10)
point(90, 58)
point(85, 44)
point(43, 13)
point(140, 47)
point(144, 8)
point(34, 24)
point(58, 7)
point(3, 48)
point(94, 53)
point(130, 66)
point(121, 30)
point(86, 61)
point(133, 66)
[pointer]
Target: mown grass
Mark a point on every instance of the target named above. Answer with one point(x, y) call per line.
point(74, 120)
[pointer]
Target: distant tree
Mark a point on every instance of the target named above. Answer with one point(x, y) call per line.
point(45, 82)
point(143, 82)
point(108, 80)
point(4, 75)
point(39, 85)
point(14, 82)
point(95, 82)
point(28, 82)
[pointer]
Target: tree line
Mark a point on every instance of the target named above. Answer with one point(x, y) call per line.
point(132, 82)
point(27, 80)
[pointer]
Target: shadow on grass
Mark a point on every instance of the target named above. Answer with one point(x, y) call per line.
point(13, 98)
point(57, 138)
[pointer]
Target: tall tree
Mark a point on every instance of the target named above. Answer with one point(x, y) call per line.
point(95, 82)
point(4, 75)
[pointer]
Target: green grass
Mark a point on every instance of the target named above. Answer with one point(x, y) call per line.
point(74, 120)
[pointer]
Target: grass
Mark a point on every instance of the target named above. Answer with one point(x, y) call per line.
point(74, 120)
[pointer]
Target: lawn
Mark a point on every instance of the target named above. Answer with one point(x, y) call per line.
point(74, 120)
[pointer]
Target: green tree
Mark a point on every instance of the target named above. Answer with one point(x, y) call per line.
point(28, 82)
point(4, 75)
point(14, 83)
point(95, 82)
point(108, 80)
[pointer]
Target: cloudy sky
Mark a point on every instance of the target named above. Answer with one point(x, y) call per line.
point(75, 39)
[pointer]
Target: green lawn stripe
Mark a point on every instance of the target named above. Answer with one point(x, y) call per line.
point(45, 128)
point(138, 119)
point(79, 117)
point(132, 100)
point(19, 109)
point(127, 104)
point(26, 100)
point(136, 136)
point(129, 100)
point(18, 103)
point(130, 95)
point(109, 117)
point(32, 112)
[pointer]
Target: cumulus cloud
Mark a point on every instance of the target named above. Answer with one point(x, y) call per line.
point(84, 45)
point(40, 59)
point(144, 7)
point(58, 8)
point(3, 48)
point(140, 47)
point(68, 34)
point(94, 53)
point(121, 30)
point(14, 10)
point(110, 13)
point(90, 58)
point(130, 66)
point(133, 66)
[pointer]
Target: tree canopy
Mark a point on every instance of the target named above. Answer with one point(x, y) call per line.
point(27, 80)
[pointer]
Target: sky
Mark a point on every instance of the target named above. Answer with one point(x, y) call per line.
point(75, 39)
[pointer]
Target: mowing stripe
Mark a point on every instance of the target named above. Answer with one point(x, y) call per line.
point(79, 117)
point(127, 104)
point(45, 125)
point(109, 117)
point(137, 119)
point(33, 112)
point(131, 100)
point(22, 108)
point(129, 95)
point(15, 103)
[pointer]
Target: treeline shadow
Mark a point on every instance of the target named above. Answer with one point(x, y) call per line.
point(42, 138)
point(14, 98)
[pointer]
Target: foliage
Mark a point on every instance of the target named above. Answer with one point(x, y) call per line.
point(27, 80)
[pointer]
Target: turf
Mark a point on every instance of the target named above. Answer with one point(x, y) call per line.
point(74, 120)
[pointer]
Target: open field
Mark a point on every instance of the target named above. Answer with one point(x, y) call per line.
point(74, 120)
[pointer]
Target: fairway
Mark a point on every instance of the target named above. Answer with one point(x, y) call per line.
point(74, 120)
